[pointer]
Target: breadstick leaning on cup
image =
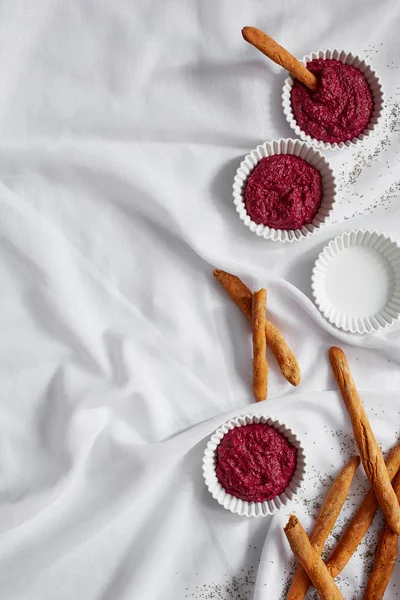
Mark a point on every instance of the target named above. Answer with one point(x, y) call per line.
point(268, 46)
point(242, 297)
point(370, 453)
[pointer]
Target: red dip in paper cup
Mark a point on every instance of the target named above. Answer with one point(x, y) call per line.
point(255, 450)
point(255, 462)
point(342, 107)
point(283, 192)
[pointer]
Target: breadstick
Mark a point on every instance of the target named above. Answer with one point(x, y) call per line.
point(311, 561)
point(370, 453)
point(323, 525)
point(385, 560)
point(268, 46)
point(361, 521)
point(286, 360)
point(242, 297)
point(260, 363)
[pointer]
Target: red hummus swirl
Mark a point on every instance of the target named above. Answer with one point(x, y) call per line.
point(255, 462)
point(342, 107)
point(283, 192)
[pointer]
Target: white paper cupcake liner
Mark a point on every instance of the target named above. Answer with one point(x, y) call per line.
point(236, 505)
point(373, 80)
point(307, 153)
point(356, 281)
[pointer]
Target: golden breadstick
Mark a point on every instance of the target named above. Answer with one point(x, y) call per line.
point(238, 291)
point(242, 297)
point(260, 363)
point(385, 559)
point(370, 453)
point(280, 55)
point(311, 561)
point(323, 525)
point(286, 360)
point(361, 521)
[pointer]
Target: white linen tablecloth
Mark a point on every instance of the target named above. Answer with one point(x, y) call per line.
point(121, 126)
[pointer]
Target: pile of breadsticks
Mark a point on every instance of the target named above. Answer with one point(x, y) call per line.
point(265, 333)
point(311, 568)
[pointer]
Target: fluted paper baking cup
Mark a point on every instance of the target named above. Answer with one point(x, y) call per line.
point(356, 281)
point(370, 75)
point(307, 153)
point(236, 505)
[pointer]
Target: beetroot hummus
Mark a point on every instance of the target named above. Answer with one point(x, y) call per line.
point(255, 462)
point(342, 107)
point(283, 192)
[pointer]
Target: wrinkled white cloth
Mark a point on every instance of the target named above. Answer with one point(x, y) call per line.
point(121, 127)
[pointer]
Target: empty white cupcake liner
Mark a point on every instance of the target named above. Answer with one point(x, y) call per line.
point(373, 80)
point(307, 153)
point(389, 250)
point(236, 505)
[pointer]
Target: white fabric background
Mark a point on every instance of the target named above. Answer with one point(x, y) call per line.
point(121, 126)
